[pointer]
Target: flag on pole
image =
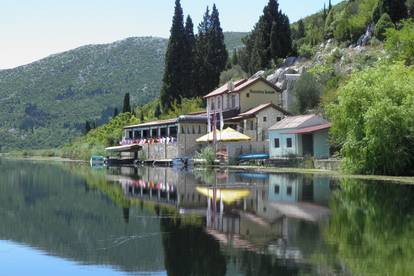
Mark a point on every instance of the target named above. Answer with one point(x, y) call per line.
point(215, 129)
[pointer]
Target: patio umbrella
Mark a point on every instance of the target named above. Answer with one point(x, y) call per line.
point(227, 135)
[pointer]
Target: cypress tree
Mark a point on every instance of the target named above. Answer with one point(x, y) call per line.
point(87, 127)
point(270, 39)
point(141, 116)
point(301, 29)
point(202, 66)
point(157, 111)
point(235, 58)
point(189, 65)
point(218, 54)
point(212, 54)
point(329, 6)
point(127, 104)
point(115, 112)
point(174, 78)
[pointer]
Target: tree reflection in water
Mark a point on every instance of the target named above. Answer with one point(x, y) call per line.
point(372, 227)
point(188, 249)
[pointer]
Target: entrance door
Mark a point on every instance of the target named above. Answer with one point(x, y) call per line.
point(307, 143)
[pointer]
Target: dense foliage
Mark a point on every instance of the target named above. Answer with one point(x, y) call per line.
point(307, 92)
point(383, 24)
point(269, 41)
point(400, 43)
point(373, 120)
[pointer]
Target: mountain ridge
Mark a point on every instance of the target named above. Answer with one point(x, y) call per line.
point(46, 103)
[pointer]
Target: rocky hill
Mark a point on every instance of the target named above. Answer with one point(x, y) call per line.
point(46, 103)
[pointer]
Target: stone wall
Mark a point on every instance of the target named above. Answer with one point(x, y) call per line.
point(159, 151)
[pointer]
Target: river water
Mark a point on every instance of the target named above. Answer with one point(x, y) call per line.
point(69, 219)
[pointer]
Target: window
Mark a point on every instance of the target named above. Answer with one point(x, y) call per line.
point(289, 190)
point(248, 95)
point(212, 105)
point(277, 143)
point(278, 119)
point(219, 103)
point(264, 119)
point(233, 101)
point(277, 189)
point(289, 142)
point(251, 125)
point(199, 129)
point(194, 130)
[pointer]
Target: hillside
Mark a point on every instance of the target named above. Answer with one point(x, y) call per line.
point(46, 103)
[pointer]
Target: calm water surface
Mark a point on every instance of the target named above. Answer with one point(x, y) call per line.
point(65, 219)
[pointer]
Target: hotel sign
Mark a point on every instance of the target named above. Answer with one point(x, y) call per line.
point(266, 92)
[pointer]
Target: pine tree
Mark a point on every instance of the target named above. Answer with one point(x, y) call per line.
point(174, 78)
point(235, 58)
point(218, 54)
point(270, 39)
point(212, 55)
point(157, 111)
point(127, 104)
point(285, 37)
point(87, 127)
point(141, 116)
point(188, 61)
point(301, 29)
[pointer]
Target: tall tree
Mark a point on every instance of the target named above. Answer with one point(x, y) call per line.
point(189, 66)
point(270, 39)
point(235, 58)
point(173, 79)
point(329, 6)
point(396, 9)
point(212, 54)
point(127, 104)
point(115, 112)
point(301, 29)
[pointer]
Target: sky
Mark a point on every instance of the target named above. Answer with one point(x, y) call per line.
point(33, 29)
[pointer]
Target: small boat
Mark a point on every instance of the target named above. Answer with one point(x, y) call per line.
point(97, 161)
point(254, 156)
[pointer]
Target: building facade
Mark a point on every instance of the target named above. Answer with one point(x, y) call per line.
point(300, 136)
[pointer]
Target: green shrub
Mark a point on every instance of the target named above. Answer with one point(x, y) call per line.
point(383, 24)
point(307, 92)
point(306, 51)
point(373, 120)
point(400, 43)
point(208, 154)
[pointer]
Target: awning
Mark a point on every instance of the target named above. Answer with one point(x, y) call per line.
point(308, 129)
point(227, 195)
point(126, 148)
point(227, 135)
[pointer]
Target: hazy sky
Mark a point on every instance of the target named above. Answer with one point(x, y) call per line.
point(33, 29)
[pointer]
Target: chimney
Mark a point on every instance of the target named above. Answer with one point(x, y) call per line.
point(230, 86)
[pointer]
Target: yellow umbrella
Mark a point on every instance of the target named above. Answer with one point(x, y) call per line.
point(227, 135)
point(227, 195)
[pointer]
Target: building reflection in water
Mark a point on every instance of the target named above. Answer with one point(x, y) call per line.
point(258, 212)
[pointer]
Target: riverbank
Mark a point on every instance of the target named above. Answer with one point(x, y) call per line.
point(256, 169)
point(335, 174)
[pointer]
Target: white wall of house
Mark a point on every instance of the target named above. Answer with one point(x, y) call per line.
point(283, 150)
